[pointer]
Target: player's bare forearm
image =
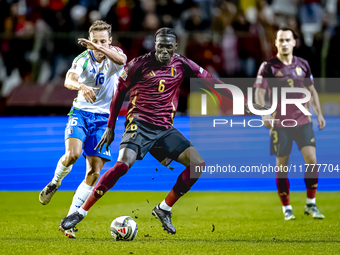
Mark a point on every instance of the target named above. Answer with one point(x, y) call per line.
point(315, 100)
point(260, 96)
point(107, 139)
point(260, 99)
point(72, 83)
point(316, 105)
point(113, 55)
point(116, 104)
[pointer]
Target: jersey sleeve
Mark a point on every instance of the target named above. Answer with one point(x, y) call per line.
point(130, 73)
point(309, 79)
point(262, 76)
point(80, 63)
point(195, 71)
point(114, 68)
point(126, 80)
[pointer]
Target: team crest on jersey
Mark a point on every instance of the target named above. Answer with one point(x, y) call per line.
point(173, 71)
point(124, 75)
point(107, 66)
point(201, 70)
point(279, 73)
point(74, 66)
point(298, 70)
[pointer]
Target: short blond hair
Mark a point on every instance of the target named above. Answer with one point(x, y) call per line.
point(100, 25)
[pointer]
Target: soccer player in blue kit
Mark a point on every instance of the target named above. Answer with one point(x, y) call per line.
point(94, 73)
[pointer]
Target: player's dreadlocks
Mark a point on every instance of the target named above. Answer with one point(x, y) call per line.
point(165, 31)
point(100, 25)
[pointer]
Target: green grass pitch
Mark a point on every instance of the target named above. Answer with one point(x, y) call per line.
point(207, 223)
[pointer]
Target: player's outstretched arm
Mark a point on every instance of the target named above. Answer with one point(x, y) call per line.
point(107, 139)
point(316, 105)
point(72, 83)
point(115, 106)
point(113, 55)
point(260, 101)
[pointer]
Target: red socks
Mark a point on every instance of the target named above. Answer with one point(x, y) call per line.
point(171, 198)
point(182, 186)
point(106, 182)
point(311, 180)
point(282, 184)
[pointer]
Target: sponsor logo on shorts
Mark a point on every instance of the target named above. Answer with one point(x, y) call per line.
point(107, 153)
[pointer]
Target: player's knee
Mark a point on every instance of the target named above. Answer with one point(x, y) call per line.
point(311, 159)
point(127, 156)
point(197, 160)
point(197, 174)
point(71, 157)
point(95, 175)
point(190, 157)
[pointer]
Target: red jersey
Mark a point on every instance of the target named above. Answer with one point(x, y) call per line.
point(276, 74)
point(154, 88)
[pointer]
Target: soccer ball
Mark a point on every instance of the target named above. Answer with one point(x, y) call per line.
point(124, 228)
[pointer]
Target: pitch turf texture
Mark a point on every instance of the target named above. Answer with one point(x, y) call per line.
point(207, 223)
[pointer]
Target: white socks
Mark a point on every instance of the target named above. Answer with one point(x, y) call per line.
point(287, 207)
point(164, 206)
point(82, 211)
point(80, 196)
point(310, 200)
point(60, 172)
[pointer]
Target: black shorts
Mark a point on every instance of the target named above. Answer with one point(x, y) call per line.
point(281, 139)
point(163, 144)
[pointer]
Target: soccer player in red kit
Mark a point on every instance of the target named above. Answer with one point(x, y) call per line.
point(153, 80)
point(286, 70)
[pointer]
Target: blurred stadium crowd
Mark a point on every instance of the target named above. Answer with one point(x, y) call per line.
point(229, 38)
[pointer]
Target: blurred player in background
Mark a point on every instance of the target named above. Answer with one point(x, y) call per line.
point(286, 70)
point(153, 80)
point(94, 73)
